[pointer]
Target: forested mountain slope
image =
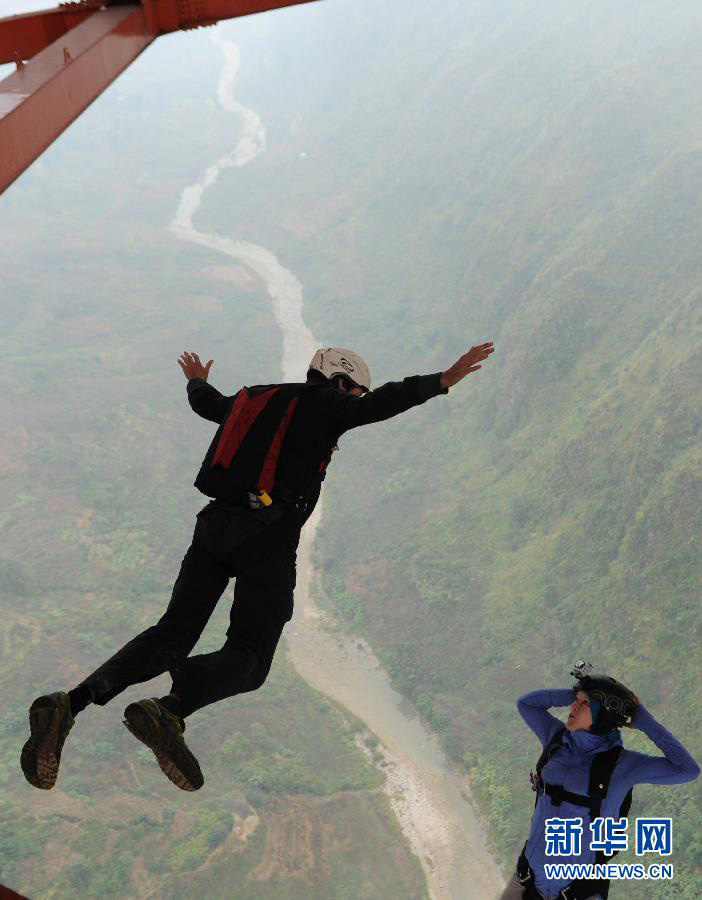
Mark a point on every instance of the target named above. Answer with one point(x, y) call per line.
point(530, 174)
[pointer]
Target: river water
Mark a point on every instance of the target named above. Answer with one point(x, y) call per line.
point(429, 798)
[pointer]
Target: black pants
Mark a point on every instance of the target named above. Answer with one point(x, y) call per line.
point(259, 549)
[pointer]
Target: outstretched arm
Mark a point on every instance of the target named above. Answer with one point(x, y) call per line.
point(532, 708)
point(676, 766)
point(204, 399)
point(395, 397)
point(466, 364)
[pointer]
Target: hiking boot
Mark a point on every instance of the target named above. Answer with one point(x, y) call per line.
point(50, 720)
point(162, 731)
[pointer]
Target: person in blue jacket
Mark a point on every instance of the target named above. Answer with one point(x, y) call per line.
point(599, 707)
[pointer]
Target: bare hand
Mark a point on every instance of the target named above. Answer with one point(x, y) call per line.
point(466, 364)
point(637, 701)
point(192, 367)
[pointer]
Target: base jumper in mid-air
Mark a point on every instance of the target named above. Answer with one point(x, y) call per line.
point(264, 471)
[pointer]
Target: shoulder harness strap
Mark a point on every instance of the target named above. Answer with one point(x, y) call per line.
point(552, 744)
point(600, 775)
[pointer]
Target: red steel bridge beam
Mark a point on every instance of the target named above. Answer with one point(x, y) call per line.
point(74, 52)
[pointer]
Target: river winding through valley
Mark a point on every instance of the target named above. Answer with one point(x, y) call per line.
point(428, 797)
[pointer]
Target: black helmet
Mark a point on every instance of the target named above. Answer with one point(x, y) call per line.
point(616, 701)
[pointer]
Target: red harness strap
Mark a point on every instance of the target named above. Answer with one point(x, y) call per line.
point(241, 417)
point(267, 477)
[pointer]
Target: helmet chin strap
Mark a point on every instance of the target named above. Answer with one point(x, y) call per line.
point(342, 383)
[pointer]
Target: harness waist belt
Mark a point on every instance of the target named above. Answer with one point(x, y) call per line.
point(243, 498)
point(285, 494)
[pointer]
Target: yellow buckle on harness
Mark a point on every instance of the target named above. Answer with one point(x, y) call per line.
point(265, 498)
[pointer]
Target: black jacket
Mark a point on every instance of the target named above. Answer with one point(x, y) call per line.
point(321, 416)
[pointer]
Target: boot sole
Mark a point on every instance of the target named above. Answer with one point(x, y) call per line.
point(39, 762)
point(184, 772)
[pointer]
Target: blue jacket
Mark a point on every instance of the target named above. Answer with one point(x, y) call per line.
point(569, 765)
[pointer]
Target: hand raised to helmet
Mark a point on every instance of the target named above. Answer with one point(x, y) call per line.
point(637, 701)
point(466, 364)
point(192, 367)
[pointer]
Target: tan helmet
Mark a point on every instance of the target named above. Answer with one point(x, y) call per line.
point(338, 361)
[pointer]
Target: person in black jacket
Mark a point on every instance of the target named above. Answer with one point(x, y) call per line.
point(263, 470)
